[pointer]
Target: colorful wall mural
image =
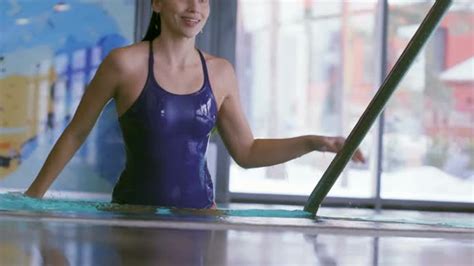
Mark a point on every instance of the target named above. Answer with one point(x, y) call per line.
point(49, 51)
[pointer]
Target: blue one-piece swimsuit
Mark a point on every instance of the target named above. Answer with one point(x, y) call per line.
point(166, 137)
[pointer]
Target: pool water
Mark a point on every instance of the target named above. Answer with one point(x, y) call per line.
point(16, 202)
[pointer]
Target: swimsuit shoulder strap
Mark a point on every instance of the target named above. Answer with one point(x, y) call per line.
point(204, 67)
point(150, 58)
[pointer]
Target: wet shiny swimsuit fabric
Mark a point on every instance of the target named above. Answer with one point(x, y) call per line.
point(166, 137)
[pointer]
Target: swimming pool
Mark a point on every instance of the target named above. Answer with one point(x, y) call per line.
point(293, 219)
point(74, 232)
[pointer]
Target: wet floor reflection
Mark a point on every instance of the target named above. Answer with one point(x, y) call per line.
point(36, 242)
point(25, 243)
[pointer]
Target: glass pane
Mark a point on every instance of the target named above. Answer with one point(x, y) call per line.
point(428, 140)
point(305, 67)
point(49, 51)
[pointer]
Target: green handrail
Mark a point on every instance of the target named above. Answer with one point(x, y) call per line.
point(377, 105)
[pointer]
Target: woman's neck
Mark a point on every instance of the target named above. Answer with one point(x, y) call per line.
point(175, 52)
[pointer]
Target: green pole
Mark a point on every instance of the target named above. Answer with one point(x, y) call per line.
point(377, 105)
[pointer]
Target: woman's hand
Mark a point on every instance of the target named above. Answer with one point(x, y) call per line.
point(335, 144)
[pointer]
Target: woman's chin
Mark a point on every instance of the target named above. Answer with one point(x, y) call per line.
point(190, 34)
point(186, 34)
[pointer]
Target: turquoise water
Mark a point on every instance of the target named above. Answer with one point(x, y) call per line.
point(18, 203)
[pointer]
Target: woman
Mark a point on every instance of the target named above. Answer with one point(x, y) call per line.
point(167, 109)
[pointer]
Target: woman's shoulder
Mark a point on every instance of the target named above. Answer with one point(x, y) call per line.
point(219, 66)
point(127, 58)
point(222, 76)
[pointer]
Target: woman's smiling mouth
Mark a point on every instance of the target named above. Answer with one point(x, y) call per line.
point(189, 21)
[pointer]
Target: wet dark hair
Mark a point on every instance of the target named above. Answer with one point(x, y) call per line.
point(154, 28)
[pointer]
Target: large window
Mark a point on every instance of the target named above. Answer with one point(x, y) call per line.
point(305, 67)
point(311, 67)
point(429, 130)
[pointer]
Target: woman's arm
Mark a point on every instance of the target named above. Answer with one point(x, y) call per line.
point(249, 152)
point(98, 93)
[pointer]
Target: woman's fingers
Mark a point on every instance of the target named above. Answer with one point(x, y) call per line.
point(358, 157)
point(336, 144)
